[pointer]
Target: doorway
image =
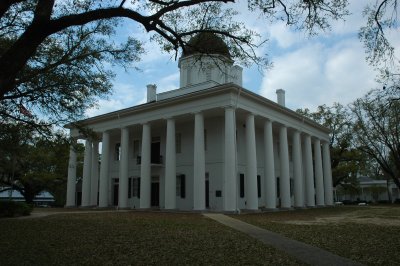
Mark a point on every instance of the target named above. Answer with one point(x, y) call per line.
point(207, 194)
point(115, 191)
point(155, 194)
point(207, 191)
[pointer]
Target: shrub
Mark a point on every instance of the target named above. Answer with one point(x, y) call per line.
point(14, 209)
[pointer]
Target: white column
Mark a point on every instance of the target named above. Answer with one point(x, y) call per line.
point(94, 181)
point(123, 170)
point(251, 165)
point(297, 171)
point(310, 199)
point(230, 183)
point(199, 186)
point(71, 183)
point(170, 166)
point(145, 168)
point(104, 178)
point(284, 180)
point(269, 167)
point(87, 168)
point(327, 174)
point(319, 179)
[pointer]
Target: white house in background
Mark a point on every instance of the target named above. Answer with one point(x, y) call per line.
point(209, 145)
point(369, 190)
point(44, 198)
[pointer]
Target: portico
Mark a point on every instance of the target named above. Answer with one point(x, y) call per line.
point(209, 145)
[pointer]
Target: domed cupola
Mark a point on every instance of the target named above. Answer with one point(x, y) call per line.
point(206, 62)
point(206, 43)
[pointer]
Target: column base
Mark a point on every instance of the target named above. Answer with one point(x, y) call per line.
point(300, 207)
point(169, 210)
point(250, 210)
point(122, 209)
point(269, 209)
point(286, 209)
point(88, 207)
point(70, 207)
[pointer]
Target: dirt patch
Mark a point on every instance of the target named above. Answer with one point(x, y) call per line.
point(373, 216)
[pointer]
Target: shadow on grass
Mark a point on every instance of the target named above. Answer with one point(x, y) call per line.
point(130, 238)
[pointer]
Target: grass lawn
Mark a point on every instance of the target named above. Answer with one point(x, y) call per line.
point(130, 238)
point(370, 235)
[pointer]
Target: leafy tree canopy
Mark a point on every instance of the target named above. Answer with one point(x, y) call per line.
point(377, 130)
point(346, 160)
point(53, 52)
point(31, 163)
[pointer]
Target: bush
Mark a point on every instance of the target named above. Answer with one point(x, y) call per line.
point(14, 209)
point(397, 201)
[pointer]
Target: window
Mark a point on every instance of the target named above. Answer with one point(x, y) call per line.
point(259, 186)
point(136, 187)
point(181, 186)
point(178, 143)
point(129, 187)
point(242, 185)
point(278, 191)
point(117, 152)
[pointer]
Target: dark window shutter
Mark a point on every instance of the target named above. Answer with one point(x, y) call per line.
point(138, 193)
point(278, 190)
point(242, 185)
point(259, 186)
point(183, 187)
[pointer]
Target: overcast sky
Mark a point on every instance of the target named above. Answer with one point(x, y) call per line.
point(318, 70)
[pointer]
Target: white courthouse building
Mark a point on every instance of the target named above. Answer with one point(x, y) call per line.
point(209, 145)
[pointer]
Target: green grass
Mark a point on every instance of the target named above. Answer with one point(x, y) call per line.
point(130, 238)
point(356, 237)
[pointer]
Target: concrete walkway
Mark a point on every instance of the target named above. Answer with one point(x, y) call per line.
point(303, 252)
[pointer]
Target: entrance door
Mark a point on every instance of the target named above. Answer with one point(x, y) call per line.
point(207, 194)
point(155, 194)
point(116, 189)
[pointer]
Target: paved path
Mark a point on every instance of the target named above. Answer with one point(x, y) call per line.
point(304, 252)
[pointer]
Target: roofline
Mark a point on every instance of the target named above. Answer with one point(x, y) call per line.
point(196, 94)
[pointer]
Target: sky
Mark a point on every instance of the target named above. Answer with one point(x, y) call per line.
point(313, 71)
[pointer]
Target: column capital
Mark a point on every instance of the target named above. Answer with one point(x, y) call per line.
point(296, 130)
point(197, 112)
point(283, 125)
point(229, 106)
point(251, 113)
point(316, 140)
point(268, 119)
point(325, 142)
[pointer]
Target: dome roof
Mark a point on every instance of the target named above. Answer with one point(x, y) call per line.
point(206, 43)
